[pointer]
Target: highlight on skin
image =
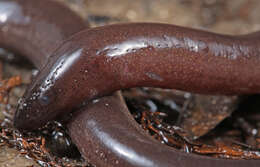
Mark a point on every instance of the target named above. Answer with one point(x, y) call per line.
point(107, 135)
point(22, 21)
point(34, 28)
point(99, 61)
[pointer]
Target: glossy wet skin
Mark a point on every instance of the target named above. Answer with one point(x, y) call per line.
point(131, 149)
point(107, 135)
point(101, 60)
point(29, 29)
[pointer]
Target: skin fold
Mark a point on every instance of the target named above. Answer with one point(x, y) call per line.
point(103, 129)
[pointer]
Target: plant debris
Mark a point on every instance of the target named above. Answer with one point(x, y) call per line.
point(33, 145)
point(6, 85)
point(194, 113)
point(225, 141)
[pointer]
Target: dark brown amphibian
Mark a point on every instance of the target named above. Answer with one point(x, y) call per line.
point(108, 136)
point(33, 28)
point(104, 131)
point(99, 61)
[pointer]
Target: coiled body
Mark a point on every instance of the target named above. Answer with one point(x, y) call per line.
point(99, 61)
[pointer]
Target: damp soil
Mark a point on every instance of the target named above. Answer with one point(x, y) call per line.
point(217, 126)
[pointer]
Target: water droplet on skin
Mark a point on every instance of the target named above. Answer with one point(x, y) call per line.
point(95, 100)
point(35, 72)
point(154, 76)
point(254, 131)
